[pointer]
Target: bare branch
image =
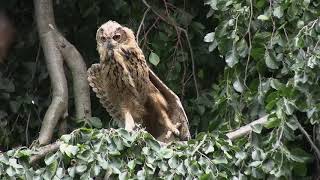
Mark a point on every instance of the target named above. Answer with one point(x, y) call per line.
point(244, 130)
point(141, 24)
point(172, 23)
point(313, 146)
point(78, 69)
point(58, 107)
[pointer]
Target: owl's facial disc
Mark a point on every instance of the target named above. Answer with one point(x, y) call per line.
point(112, 36)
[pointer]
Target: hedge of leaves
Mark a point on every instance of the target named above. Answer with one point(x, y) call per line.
point(118, 154)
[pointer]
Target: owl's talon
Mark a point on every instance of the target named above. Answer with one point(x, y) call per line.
point(175, 130)
point(168, 135)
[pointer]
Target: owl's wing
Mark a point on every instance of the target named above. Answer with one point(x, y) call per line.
point(176, 111)
point(97, 82)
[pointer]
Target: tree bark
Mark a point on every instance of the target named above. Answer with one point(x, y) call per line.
point(78, 69)
point(56, 49)
point(58, 107)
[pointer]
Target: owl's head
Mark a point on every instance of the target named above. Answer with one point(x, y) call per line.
point(110, 36)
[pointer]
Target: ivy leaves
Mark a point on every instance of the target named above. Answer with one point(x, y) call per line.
point(89, 153)
point(272, 54)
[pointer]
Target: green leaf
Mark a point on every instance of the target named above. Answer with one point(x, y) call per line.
point(173, 162)
point(50, 159)
point(209, 37)
point(237, 85)
point(263, 17)
point(289, 106)
point(267, 166)
point(270, 60)
point(231, 58)
point(132, 164)
point(241, 155)
point(81, 168)
point(153, 144)
point(272, 123)
point(10, 171)
point(255, 164)
point(257, 128)
point(276, 84)
point(220, 160)
point(69, 150)
point(278, 12)
point(72, 171)
point(95, 122)
point(154, 58)
point(66, 138)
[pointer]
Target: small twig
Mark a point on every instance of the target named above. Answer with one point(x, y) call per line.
point(313, 146)
point(250, 44)
point(141, 24)
point(168, 21)
point(192, 62)
point(27, 129)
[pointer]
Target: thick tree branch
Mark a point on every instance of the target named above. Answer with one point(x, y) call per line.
point(43, 151)
point(58, 107)
point(78, 69)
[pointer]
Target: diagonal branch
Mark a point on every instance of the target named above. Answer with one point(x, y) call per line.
point(58, 107)
point(312, 144)
point(244, 130)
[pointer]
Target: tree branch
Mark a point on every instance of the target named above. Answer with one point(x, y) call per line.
point(58, 107)
point(313, 146)
point(244, 130)
point(43, 151)
point(78, 69)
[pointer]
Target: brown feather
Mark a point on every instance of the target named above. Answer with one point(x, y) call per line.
point(127, 87)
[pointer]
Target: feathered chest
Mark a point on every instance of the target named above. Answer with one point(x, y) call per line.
point(126, 71)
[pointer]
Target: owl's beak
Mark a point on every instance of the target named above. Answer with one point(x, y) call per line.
point(109, 45)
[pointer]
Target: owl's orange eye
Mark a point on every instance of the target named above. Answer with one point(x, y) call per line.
point(116, 37)
point(103, 39)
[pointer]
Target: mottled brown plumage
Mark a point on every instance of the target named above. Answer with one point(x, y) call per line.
point(121, 81)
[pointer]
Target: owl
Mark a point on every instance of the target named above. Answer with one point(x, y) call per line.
point(129, 90)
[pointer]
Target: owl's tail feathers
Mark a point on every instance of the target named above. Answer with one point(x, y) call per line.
point(96, 81)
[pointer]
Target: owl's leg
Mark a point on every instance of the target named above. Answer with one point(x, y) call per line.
point(159, 105)
point(128, 120)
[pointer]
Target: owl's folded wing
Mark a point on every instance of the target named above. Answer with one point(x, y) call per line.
point(176, 111)
point(97, 82)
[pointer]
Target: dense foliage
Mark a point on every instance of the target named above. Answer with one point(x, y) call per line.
point(117, 154)
point(250, 58)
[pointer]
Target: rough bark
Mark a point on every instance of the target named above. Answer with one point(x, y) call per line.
point(43, 151)
point(78, 69)
point(56, 49)
point(58, 107)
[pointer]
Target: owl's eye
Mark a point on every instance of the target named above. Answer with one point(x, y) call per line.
point(103, 39)
point(116, 37)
